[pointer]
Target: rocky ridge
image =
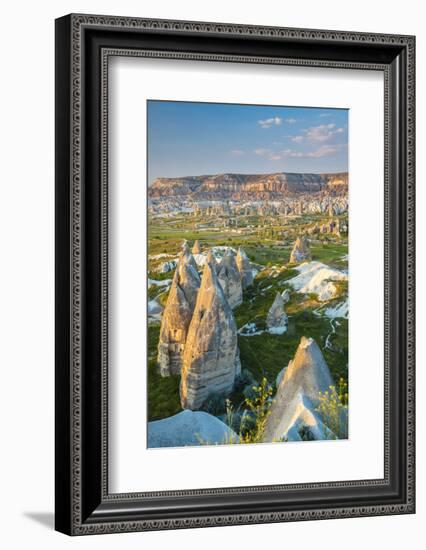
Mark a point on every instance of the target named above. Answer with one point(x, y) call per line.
point(248, 186)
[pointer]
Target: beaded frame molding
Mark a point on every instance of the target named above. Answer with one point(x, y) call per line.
point(84, 44)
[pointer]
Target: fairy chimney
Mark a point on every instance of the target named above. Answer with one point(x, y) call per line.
point(305, 377)
point(196, 249)
point(277, 320)
point(211, 357)
point(244, 267)
point(230, 280)
point(301, 251)
point(177, 316)
point(212, 260)
point(187, 257)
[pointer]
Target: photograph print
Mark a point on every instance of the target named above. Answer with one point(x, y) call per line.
point(248, 303)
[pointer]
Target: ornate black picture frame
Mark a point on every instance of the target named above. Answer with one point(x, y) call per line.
point(83, 45)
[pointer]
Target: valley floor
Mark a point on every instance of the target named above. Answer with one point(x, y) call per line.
point(268, 244)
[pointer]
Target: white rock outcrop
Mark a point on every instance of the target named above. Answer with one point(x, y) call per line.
point(245, 269)
point(230, 280)
point(189, 428)
point(277, 320)
point(286, 295)
point(211, 356)
point(154, 310)
point(317, 278)
point(298, 394)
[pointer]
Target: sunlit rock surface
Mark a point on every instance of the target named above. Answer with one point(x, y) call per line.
point(245, 269)
point(301, 251)
point(211, 358)
point(298, 395)
point(277, 320)
point(196, 249)
point(317, 278)
point(230, 280)
point(189, 428)
point(177, 315)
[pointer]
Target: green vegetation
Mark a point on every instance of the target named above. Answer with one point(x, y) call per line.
point(163, 393)
point(267, 242)
point(333, 408)
point(259, 406)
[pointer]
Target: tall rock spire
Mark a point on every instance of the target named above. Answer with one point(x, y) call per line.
point(298, 392)
point(244, 267)
point(210, 259)
point(230, 280)
point(187, 257)
point(301, 251)
point(177, 315)
point(196, 249)
point(211, 358)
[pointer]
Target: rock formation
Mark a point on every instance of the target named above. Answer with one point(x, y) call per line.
point(177, 316)
point(230, 279)
point(277, 320)
point(189, 428)
point(285, 295)
point(336, 229)
point(187, 257)
point(154, 310)
point(212, 260)
point(301, 251)
point(317, 278)
point(247, 186)
point(298, 394)
point(196, 249)
point(244, 267)
point(211, 358)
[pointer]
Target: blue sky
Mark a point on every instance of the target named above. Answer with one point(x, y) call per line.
point(191, 139)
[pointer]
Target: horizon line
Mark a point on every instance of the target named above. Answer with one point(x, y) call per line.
point(249, 174)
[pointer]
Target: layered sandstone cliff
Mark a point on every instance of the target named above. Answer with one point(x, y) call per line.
point(247, 186)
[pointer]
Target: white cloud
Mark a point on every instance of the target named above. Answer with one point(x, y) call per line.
point(297, 139)
point(237, 152)
point(261, 152)
point(268, 122)
point(323, 132)
point(323, 151)
point(290, 120)
point(268, 153)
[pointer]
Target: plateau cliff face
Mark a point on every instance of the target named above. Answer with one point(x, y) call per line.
point(247, 186)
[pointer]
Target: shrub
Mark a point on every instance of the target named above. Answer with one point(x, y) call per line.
point(245, 378)
point(333, 409)
point(215, 404)
point(259, 406)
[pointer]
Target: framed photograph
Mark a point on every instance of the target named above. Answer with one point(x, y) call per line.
point(234, 274)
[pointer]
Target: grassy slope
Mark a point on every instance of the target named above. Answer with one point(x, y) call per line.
point(266, 354)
